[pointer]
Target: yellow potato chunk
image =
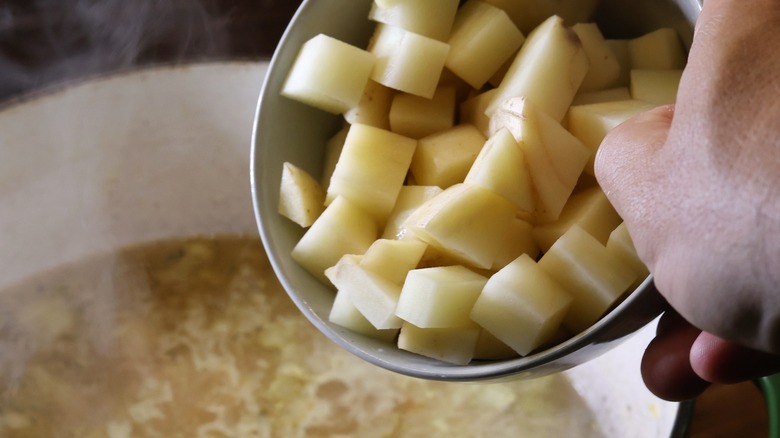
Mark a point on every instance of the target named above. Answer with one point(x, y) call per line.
point(333, 148)
point(345, 314)
point(521, 305)
point(444, 159)
point(431, 18)
point(451, 345)
point(518, 240)
point(608, 95)
point(658, 87)
point(592, 275)
point(472, 111)
point(373, 107)
point(329, 74)
point(439, 297)
point(482, 39)
point(371, 169)
point(490, 348)
point(417, 117)
point(393, 259)
point(620, 49)
point(407, 61)
point(620, 245)
point(604, 69)
point(343, 228)
point(409, 199)
point(660, 49)
point(301, 198)
point(528, 14)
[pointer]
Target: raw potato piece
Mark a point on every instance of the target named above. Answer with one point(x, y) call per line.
point(555, 157)
point(591, 123)
point(440, 297)
point(371, 169)
point(621, 246)
point(604, 70)
point(620, 49)
point(373, 107)
point(501, 167)
point(345, 314)
point(472, 111)
point(590, 210)
point(343, 228)
point(416, 117)
point(373, 295)
point(528, 14)
point(518, 240)
point(594, 277)
point(482, 40)
point(464, 222)
point(521, 305)
point(333, 148)
point(329, 74)
point(444, 159)
point(431, 18)
point(407, 61)
point(301, 198)
point(409, 199)
point(608, 95)
point(393, 259)
point(660, 50)
point(451, 345)
point(490, 348)
point(658, 87)
point(548, 70)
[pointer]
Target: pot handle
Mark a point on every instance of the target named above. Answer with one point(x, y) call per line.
point(770, 389)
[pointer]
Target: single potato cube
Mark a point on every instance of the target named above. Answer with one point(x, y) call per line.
point(440, 297)
point(373, 108)
point(548, 70)
point(345, 314)
point(609, 95)
point(373, 295)
point(371, 169)
point(518, 240)
point(490, 348)
point(501, 167)
point(658, 50)
point(593, 277)
point(343, 228)
point(451, 345)
point(417, 117)
point(444, 158)
point(409, 199)
point(658, 87)
point(465, 222)
point(407, 61)
point(591, 123)
point(431, 18)
point(555, 157)
point(521, 305)
point(589, 209)
point(528, 14)
point(620, 49)
point(622, 247)
point(482, 39)
point(472, 111)
point(333, 148)
point(393, 259)
point(604, 70)
point(329, 74)
point(301, 198)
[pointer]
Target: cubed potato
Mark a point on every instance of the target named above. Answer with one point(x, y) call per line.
point(591, 123)
point(604, 69)
point(431, 18)
point(501, 167)
point(440, 297)
point(660, 49)
point(589, 209)
point(658, 87)
point(407, 61)
point(373, 295)
point(417, 117)
point(373, 107)
point(620, 245)
point(329, 74)
point(462, 221)
point(301, 198)
point(498, 76)
point(371, 169)
point(490, 348)
point(609, 95)
point(393, 259)
point(548, 70)
point(345, 314)
point(521, 305)
point(333, 148)
point(409, 199)
point(472, 111)
point(528, 14)
point(555, 157)
point(451, 345)
point(444, 158)
point(592, 275)
point(620, 49)
point(482, 39)
point(343, 228)
point(518, 240)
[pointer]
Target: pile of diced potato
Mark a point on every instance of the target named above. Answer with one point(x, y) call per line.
point(457, 213)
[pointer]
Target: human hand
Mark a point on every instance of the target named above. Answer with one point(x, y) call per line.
point(698, 186)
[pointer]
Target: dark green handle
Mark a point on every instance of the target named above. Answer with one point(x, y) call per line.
point(770, 388)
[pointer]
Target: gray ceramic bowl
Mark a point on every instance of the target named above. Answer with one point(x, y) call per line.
point(285, 130)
